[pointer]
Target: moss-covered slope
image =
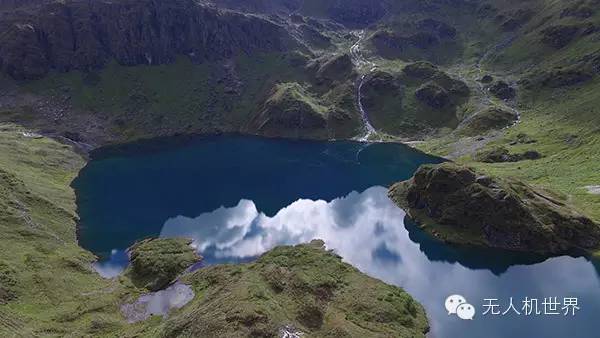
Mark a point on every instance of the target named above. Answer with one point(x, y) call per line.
point(154, 263)
point(302, 288)
point(463, 206)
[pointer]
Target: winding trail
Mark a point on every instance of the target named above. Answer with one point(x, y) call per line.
point(361, 62)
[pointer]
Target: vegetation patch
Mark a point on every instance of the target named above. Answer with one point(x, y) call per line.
point(155, 263)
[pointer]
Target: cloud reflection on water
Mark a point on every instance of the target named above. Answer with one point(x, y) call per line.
point(368, 231)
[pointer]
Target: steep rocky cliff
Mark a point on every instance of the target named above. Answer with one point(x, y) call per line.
point(85, 35)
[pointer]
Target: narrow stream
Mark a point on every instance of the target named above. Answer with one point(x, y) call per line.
point(360, 62)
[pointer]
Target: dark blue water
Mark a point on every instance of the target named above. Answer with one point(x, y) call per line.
point(240, 196)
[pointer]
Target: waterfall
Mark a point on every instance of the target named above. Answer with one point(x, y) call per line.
point(361, 62)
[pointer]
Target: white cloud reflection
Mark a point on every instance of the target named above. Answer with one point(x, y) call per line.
point(113, 266)
point(368, 231)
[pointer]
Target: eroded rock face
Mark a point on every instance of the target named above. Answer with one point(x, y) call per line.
point(462, 206)
point(86, 34)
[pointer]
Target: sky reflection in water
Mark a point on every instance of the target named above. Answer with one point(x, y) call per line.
point(368, 231)
point(124, 198)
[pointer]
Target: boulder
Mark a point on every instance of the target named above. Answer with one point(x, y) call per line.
point(155, 263)
point(460, 205)
point(502, 90)
point(523, 138)
point(297, 18)
point(486, 79)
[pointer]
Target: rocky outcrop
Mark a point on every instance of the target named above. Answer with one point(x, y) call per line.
point(462, 206)
point(155, 263)
point(486, 79)
point(392, 45)
point(560, 35)
point(420, 70)
point(294, 289)
point(438, 89)
point(260, 6)
point(291, 111)
point(414, 102)
point(380, 83)
point(578, 72)
point(580, 9)
point(512, 20)
point(351, 13)
point(501, 154)
point(85, 35)
point(425, 39)
point(439, 28)
point(488, 119)
point(433, 95)
point(330, 69)
point(502, 90)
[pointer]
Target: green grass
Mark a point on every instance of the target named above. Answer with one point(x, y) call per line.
point(303, 286)
point(182, 97)
point(51, 276)
point(155, 263)
point(565, 126)
point(294, 92)
point(568, 136)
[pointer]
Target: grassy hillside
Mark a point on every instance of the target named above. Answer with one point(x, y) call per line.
point(308, 289)
point(144, 101)
point(557, 84)
point(47, 285)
